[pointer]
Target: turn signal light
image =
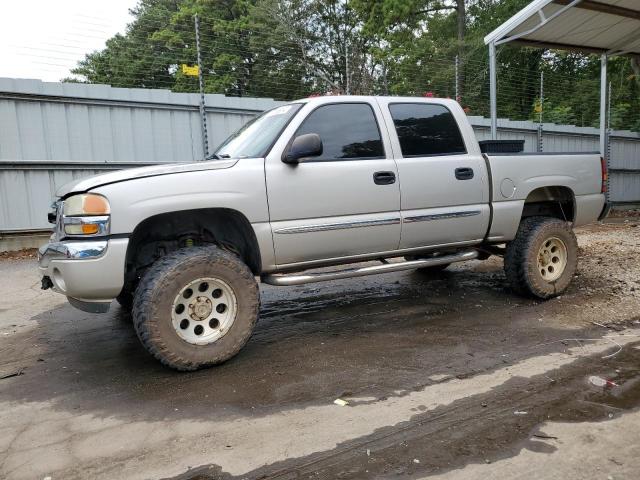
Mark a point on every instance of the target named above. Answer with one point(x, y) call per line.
point(90, 228)
point(82, 229)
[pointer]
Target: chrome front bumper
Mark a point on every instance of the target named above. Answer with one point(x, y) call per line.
point(90, 273)
point(71, 251)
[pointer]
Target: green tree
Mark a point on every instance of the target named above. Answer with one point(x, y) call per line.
point(134, 59)
point(288, 49)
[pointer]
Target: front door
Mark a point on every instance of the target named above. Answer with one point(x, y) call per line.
point(345, 202)
point(443, 178)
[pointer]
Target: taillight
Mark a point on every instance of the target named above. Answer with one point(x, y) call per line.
point(605, 175)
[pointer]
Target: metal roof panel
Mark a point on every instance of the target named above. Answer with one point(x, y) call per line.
point(588, 24)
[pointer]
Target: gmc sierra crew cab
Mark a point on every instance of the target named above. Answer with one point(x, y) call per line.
point(295, 195)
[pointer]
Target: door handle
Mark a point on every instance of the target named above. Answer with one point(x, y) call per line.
point(464, 173)
point(384, 178)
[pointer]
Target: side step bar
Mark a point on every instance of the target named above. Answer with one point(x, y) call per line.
point(284, 280)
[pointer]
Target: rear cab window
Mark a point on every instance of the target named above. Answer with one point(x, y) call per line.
point(426, 129)
point(349, 131)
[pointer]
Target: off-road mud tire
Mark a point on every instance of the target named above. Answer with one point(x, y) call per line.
point(153, 303)
point(521, 257)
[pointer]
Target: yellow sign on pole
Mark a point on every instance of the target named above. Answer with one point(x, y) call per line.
point(538, 106)
point(192, 71)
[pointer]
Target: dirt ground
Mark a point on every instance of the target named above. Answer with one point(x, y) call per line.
point(447, 376)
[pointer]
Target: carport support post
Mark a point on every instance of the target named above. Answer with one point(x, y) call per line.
point(603, 107)
point(493, 93)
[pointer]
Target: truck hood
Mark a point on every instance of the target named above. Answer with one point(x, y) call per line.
point(86, 184)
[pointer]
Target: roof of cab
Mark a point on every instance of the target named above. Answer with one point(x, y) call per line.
point(368, 98)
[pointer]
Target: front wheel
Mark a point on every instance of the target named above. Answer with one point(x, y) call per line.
point(196, 307)
point(542, 259)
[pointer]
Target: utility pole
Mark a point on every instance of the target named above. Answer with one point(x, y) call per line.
point(384, 77)
point(461, 17)
point(203, 113)
point(346, 67)
point(541, 94)
point(347, 36)
point(540, 139)
point(458, 99)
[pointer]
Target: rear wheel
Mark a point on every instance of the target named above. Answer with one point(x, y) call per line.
point(542, 259)
point(196, 307)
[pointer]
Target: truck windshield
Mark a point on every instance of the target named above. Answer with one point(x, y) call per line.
point(255, 138)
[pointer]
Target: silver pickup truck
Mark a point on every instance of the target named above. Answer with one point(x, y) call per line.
point(317, 183)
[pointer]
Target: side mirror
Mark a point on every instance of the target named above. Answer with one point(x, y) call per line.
point(303, 146)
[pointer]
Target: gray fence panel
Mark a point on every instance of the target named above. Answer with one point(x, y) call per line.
point(97, 123)
point(625, 153)
point(566, 142)
point(27, 194)
point(624, 187)
point(51, 133)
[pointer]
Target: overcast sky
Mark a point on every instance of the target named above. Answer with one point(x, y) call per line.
point(44, 39)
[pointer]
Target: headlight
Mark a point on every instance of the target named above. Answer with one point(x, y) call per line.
point(86, 204)
point(86, 214)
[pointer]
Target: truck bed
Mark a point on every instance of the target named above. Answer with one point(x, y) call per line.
point(514, 176)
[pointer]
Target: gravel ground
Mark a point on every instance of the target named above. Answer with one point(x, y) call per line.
point(448, 376)
point(19, 254)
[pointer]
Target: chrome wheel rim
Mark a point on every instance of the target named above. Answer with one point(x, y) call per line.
point(204, 310)
point(552, 259)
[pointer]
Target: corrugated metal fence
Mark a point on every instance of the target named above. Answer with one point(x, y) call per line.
point(51, 133)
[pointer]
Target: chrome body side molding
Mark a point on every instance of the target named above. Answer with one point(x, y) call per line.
point(337, 226)
point(440, 216)
point(323, 227)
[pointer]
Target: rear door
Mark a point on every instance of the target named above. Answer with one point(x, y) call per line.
point(443, 178)
point(344, 203)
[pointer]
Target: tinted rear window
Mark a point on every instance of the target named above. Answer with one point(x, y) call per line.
point(426, 129)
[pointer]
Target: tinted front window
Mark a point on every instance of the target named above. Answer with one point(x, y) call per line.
point(426, 129)
point(347, 130)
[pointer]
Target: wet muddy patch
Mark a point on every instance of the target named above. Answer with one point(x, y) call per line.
point(478, 429)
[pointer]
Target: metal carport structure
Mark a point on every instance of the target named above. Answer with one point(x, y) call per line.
point(605, 27)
